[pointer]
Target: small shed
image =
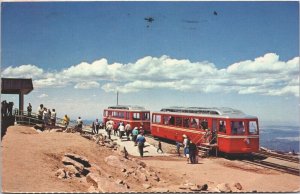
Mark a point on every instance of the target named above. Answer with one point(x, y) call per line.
point(17, 86)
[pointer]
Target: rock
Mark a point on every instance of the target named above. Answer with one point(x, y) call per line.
point(204, 187)
point(118, 181)
point(40, 127)
point(147, 186)
point(94, 179)
point(156, 178)
point(123, 170)
point(39, 131)
point(224, 187)
point(56, 130)
point(77, 165)
point(195, 188)
point(143, 164)
point(143, 177)
point(238, 186)
point(184, 186)
point(108, 145)
point(72, 171)
point(162, 190)
point(61, 173)
point(81, 159)
point(114, 161)
point(92, 189)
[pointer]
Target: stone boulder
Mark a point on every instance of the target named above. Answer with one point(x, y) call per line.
point(81, 159)
point(224, 187)
point(114, 161)
point(77, 165)
point(147, 186)
point(56, 130)
point(72, 171)
point(61, 173)
point(238, 186)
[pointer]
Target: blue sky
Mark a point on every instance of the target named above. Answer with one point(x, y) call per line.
point(80, 53)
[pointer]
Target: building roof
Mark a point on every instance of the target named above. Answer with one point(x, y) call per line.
point(16, 86)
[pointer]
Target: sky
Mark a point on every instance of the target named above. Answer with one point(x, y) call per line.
point(243, 55)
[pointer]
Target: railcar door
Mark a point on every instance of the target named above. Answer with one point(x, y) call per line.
point(214, 131)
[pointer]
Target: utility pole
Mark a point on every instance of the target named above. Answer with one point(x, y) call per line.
point(117, 98)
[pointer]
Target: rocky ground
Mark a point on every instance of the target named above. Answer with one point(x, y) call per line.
point(55, 161)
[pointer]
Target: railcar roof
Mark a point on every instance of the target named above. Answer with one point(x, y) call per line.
point(128, 107)
point(223, 112)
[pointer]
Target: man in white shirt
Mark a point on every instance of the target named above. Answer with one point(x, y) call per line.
point(53, 117)
point(121, 129)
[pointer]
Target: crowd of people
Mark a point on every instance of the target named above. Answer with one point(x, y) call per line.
point(44, 115)
point(6, 108)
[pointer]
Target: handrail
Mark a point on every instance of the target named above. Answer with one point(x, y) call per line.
point(32, 119)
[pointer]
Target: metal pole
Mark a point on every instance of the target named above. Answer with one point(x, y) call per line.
point(117, 98)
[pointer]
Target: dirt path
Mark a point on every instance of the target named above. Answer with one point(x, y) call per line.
point(30, 159)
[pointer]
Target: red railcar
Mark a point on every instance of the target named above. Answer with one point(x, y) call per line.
point(136, 116)
point(229, 129)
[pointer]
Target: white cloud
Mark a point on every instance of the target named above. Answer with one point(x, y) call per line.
point(43, 96)
point(23, 71)
point(265, 75)
point(87, 85)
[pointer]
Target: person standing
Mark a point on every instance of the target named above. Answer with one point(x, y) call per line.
point(186, 143)
point(79, 124)
point(127, 130)
point(45, 116)
point(29, 110)
point(93, 127)
point(135, 133)
point(53, 117)
point(109, 128)
point(40, 112)
point(121, 129)
point(97, 125)
point(192, 152)
point(140, 140)
point(66, 121)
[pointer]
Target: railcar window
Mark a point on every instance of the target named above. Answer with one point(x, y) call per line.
point(203, 124)
point(222, 126)
point(156, 118)
point(186, 122)
point(172, 121)
point(114, 114)
point(253, 127)
point(106, 113)
point(237, 128)
point(166, 119)
point(136, 116)
point(178, 121)
point(121, 114)
point(194, 123)
point(146, 116)
point(127, 115)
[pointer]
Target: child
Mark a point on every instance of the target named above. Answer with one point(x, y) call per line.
point(159, 147)
point(178, 148)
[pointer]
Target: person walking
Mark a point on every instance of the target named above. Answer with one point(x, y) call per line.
point(140, 140)
point(186, 143)
point(178, 148)
point(159, 147)
point(29, 110)
point(135, 133)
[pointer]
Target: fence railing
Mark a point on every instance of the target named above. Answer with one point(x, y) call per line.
point(30, 118)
